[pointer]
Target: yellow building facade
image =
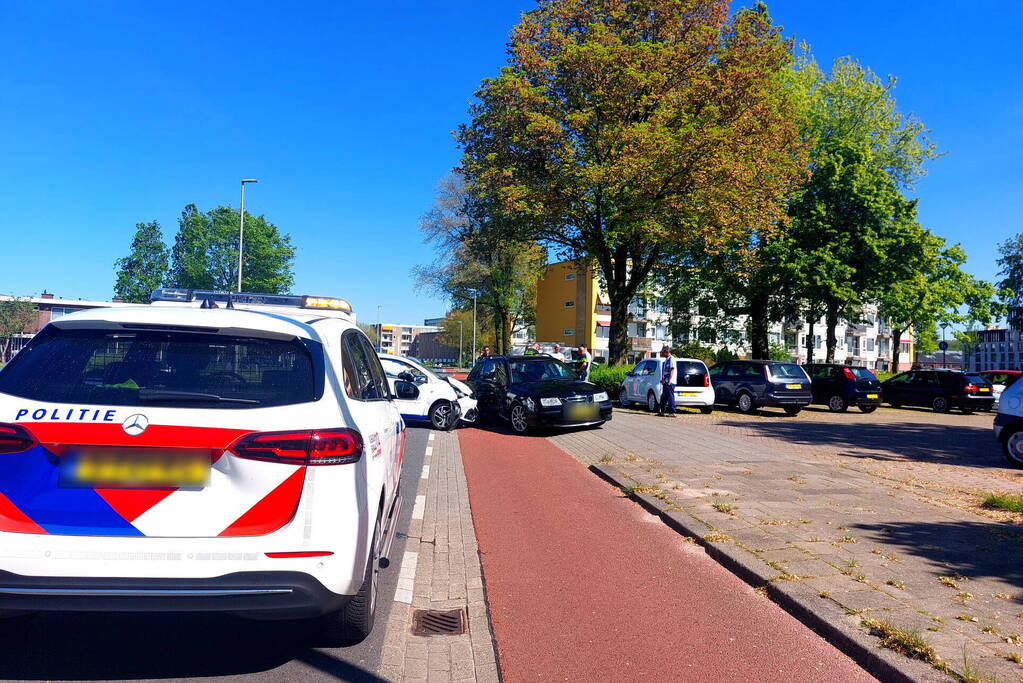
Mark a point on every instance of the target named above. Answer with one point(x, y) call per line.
point(570, 309)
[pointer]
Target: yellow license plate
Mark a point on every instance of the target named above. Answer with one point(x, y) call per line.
point(984, 389)
point(135, 469)
point(793, 386)
point(688, 393)
point(871, 395)
point(581, 411)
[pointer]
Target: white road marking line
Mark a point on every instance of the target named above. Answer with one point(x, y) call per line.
point(426, 472)
point(429, 450)
point(419, 508)
point(431, 436)
point(406, 578)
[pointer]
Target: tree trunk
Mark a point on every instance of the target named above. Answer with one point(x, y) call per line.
point(810, 321)
point(506, 331)
point(896, 348)
point(759, 324)
point(618, 333)
point(831, 322)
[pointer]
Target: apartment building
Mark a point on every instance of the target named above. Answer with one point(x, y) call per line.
point(572, 309)
point(397, 339)
point(47, 308)
point(996, 349)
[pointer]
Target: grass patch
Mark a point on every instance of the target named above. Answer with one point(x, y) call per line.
point(715, 537)
point(607, 459)
point(997, 501)
point(896, 583)
point(1015, 657)
point(908, 643)
point(725, 508)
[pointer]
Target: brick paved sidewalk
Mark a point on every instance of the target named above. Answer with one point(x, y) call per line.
point(440, 570)
point(853, 546)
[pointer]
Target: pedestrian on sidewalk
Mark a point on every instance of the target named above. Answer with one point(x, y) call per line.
point(556, 353)
point(485, 354)
point(669, 378)
point(586, 360)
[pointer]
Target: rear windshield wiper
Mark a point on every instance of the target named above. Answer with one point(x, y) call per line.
point(166, 395)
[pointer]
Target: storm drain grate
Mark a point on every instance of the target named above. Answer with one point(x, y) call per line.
point(431, 622)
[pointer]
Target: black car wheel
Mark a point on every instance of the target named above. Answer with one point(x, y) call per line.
point(442, 416)
point(837, 404)
point(893, 404)
point(1012, 448)
point(707, 410)
point(793, 410)
point(868, 409)
point(651, 402)
point(966, 410)
point(517, 417)
point(940, 404)
point(745, 404)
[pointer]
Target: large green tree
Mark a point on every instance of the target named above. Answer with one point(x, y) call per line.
point(205, 253)
point(851, 223)
point(1010, 263)
point(16, 314)
point(145, 266)
point(619, 131)
point(481, 257)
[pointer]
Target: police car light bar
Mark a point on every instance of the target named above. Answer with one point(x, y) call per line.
point(247, 298)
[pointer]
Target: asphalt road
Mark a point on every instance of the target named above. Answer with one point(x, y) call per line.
point(181, 647)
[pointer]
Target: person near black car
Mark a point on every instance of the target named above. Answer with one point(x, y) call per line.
point(669, 378)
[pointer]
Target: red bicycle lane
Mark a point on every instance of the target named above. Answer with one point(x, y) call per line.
point(582, 584)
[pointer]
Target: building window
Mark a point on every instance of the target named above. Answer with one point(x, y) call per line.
point(569, 304)
point(870, 345)
point(816, 341)
point(707, 308)
point(603, 332)
point(59, 312)
point(569, 276)
point(569, 333)
point(904, 347)
point(707, 335)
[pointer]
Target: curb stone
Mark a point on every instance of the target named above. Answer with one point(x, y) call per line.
point(822, 616)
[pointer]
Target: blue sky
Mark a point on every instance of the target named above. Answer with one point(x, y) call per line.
point(114, 113)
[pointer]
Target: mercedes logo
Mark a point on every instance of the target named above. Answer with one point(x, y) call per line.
point(135, 425)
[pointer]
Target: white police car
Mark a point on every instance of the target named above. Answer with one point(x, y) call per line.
point(212, 452)
point(422, 394)
point(1008, 425)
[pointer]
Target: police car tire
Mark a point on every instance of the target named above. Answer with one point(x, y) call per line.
point(354, 622)
point(1009, 443)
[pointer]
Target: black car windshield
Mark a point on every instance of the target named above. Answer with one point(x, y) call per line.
point(863, 373)
point(787, 371)
point(170, 369)
point(538, 370)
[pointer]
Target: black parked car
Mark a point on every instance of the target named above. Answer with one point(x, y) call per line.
point(536, 390)
point(940, 390)
point(841, 386)
point(752, 384)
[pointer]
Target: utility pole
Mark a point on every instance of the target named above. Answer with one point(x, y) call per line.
point(944, 346)
point(460, 327)
point(380, 342)
point(241, 231)
point(474, 327)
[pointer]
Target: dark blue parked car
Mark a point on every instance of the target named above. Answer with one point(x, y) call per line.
point(752, 384)
point(841, 386)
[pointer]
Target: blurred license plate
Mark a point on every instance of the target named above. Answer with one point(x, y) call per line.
point(688, 393)
point(134, 469)
point(984, 389)
point(581, 411)
point(871, 395)
point(793, 386)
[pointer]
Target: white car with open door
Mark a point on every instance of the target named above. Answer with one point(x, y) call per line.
point(442, 401)
point(212, 452)
point(642, 385)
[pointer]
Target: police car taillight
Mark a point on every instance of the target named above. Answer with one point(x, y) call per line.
point(15, 439)
point(304, 447)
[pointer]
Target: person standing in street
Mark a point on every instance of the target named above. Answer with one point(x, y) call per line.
point(485, 354)
point(585, 361)
point(669, 378)
point(556, 353)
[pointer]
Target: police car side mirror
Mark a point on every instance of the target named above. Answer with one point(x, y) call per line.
point(406, 390)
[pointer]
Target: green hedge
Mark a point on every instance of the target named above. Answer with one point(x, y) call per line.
point(609, 379)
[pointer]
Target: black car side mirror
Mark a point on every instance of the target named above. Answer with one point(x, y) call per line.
point(406, 376)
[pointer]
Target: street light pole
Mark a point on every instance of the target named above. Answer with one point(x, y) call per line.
point(380, 341)
point(944, 351)
point(474, 327)
point(460, 327)
point(241, 231)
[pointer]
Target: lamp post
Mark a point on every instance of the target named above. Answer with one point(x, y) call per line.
point(460, 327)
point(241, 231)
point(944, 346)
point(474, 327)
point(380, 341)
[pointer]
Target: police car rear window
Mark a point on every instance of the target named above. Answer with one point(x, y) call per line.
point(170, 369)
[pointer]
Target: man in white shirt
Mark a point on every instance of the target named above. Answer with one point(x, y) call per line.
point(556, 353)
point(669, 378)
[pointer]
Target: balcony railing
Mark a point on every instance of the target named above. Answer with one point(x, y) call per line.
point(641, 343)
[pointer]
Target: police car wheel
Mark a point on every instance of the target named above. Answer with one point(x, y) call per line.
point(354, 622)
point(517, 417)
point(1012, 448)
point(442, 415)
